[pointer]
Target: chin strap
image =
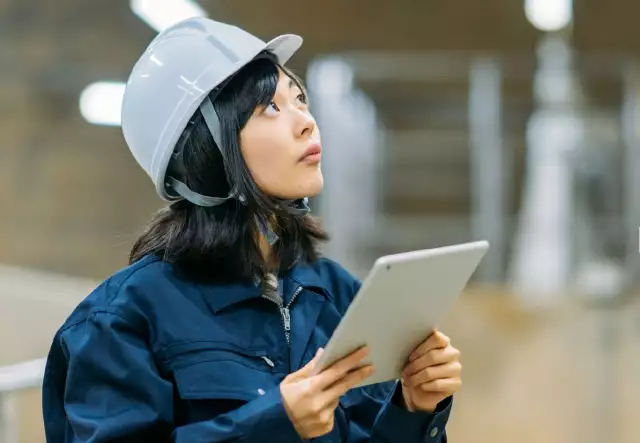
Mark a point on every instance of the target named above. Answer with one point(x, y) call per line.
point(296, 207)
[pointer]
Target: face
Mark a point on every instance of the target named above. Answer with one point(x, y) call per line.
point(281, 145)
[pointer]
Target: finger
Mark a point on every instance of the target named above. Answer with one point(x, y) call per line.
point(431, 358)
point(339, 369)
point(442, 385)
point(436, 340)
point(444, 371)
point(349, 381)
point(307, 370)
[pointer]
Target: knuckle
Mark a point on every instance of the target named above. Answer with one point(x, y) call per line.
point(316, 406)
point(436, 356)
point(313, 386)
point(339, 372)
point(409, 369)
point(288, 379)
point(325, 426)
point(330, 425)
point(328, 375)
point(431, 387)
point(306, 393)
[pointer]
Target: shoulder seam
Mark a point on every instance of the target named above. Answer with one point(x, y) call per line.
point(137, 266)
point(93, 312)
point(109, 300)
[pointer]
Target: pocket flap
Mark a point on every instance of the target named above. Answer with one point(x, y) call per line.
point(215, 373)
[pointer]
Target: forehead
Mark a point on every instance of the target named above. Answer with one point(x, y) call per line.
point(285, 82)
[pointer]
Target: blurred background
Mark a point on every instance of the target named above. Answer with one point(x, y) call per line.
point(513, 121)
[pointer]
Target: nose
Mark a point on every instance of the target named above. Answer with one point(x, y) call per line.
point(305, 123)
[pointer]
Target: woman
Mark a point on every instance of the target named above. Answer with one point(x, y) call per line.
point(210, 334)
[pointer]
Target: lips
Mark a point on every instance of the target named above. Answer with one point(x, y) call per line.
point(312, 154)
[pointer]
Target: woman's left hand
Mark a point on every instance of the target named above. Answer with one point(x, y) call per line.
point(432, 375)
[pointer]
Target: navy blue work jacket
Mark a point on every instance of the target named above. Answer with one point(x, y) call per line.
point(151, 357)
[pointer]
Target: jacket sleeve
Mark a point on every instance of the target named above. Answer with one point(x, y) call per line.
point(376, 413)
point(114, 393)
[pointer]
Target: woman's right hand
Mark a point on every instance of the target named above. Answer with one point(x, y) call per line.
point(311, 400)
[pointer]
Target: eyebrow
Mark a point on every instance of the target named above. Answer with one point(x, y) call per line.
point(293, 84)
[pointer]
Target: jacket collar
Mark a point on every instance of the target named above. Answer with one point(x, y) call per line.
point(307, 277)
point(222, 296)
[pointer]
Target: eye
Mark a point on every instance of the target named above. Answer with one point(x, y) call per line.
point(302, 98)
point(272, 106)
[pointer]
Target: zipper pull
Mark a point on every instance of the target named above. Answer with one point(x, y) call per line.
point(287, 319)
point(268, 361)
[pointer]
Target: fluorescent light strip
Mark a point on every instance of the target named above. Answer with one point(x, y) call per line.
point(549, 15)
point(100, 103)
point(162, 14)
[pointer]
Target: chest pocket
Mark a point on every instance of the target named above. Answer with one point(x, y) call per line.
point(219, 371)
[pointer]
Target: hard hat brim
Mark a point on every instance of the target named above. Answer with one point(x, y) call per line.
point(284, 47)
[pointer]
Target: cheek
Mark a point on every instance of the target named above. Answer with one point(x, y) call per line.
point(266, 160)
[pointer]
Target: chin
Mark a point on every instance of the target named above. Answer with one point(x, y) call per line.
point(311, 187)
point(315, 187)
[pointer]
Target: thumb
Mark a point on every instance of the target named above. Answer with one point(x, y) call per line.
point(307, 369)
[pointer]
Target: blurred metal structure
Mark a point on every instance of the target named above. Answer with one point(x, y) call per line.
point(490, 181)
point(542, 247)
point(454, 145)
point(411, 152)
point(630, 125)
point(352, 136)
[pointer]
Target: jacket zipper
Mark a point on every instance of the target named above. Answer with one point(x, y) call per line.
point(285, 313)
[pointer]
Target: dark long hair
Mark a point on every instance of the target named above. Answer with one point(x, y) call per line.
point(221, 243)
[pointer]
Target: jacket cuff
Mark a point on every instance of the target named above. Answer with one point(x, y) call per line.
point(271, 418)
point(396, 424)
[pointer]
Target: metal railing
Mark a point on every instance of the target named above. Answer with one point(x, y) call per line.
point(16, 378)
point(34, 303)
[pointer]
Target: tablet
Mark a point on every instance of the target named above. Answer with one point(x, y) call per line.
point(401, 300)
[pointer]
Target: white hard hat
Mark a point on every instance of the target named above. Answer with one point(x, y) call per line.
point(173, 78)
